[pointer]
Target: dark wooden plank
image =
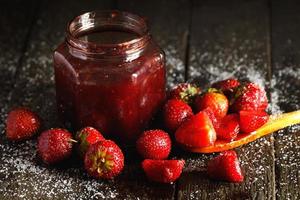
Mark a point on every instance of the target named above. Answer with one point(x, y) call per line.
point(15, 23)
point(169, 24)
point(230, 38)
point(286, 93)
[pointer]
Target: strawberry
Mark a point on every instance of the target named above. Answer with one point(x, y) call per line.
point(185, 92)
point(55, 145)
point(163, 171)
point(197, 131)
point(21, 124)
point(226, 167)
point(250, 97)
point(104, 160)
point(227, 86)
point(154, 144)
point(252, 120)
point(212, 117)
point(213, 99)
point(86, 137)
point(229, 127)
point(175, 112)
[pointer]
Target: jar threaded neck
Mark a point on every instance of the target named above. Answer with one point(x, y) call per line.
point(107, 20)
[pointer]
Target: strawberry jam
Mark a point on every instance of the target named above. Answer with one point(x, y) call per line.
point(109, 74)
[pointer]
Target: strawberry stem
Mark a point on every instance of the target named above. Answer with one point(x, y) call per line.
point(73, 141)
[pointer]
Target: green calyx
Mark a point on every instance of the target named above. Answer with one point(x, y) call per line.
point(238, 92)
point(101, 161)
point(83, 145)
point(214, 90)
point(189, 93)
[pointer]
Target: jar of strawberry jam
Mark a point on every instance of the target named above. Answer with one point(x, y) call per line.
point(109, 74)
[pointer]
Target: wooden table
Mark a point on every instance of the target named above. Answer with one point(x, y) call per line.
point(204, 40)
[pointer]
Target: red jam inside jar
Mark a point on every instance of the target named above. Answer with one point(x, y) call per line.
point(109, 74)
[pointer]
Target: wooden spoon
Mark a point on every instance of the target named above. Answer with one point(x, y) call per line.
point(275, 123)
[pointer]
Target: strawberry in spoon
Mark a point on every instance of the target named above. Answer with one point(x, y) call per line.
point(275, 123)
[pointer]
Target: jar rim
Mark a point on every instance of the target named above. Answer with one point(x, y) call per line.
point(90, 20)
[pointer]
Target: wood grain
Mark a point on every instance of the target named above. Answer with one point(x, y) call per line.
point(15, 23)
point(230, 39)
point(286, 94)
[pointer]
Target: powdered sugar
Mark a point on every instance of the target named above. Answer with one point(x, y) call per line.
point(215, 63)
point(285, 89)
point(286, 97)
point(175, 66)
point(19, 169)
point(286, 94)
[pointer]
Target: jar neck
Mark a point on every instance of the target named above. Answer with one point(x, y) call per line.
point(107, 20)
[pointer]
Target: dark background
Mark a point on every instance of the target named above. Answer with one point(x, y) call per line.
point(204, 41)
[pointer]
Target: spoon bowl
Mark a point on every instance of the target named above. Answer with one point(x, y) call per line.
point(275, 123)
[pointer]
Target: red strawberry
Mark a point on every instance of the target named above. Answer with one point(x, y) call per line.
point(22, 123)
point(213, 99)
point(104, 159)
point(250, 97)
point(185, 92)
point(227, 86)
point(226, 167)
point(55, 145)
point(154, 144)
point(252, 120)
point(163, 171)
point(197, 131)
point(229, 127)
point(175, 112)
point(212, 117)
point(86, 137)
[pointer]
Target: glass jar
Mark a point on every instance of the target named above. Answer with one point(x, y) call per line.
point(109, 74)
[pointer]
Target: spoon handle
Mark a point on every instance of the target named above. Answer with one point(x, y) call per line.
point(279, 121)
